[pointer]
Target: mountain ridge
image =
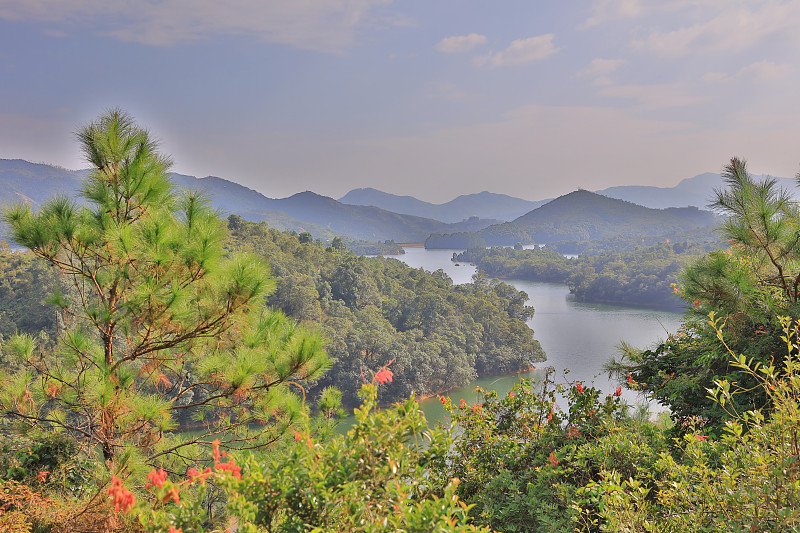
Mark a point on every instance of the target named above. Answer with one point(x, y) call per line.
point(581, 216)
point(306, 211)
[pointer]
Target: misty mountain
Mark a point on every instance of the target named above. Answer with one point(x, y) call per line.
point(323, 217)
point(482, 205)
point(697, 191)
point(582, 216)
point(34, 183)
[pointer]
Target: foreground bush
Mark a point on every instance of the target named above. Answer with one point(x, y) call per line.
point(524, 462)
point(377, 477)
point(746, 480)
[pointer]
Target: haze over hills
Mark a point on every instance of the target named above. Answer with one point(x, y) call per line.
point(323, 217)
point(697, 191)
point(483, 205)
point(581, 216)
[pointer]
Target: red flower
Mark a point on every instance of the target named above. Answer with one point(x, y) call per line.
point(231, 467)
point(42, 476)
point(701, 437)
point(194, 475)
point(123, 499)
point(580, 388)
point(630, 379)
point(215, 446)
point(511, 394)
point(173, 529)
point(383, 376)
point(156, 479)
point(553, 459)
point(443, 400)
point(618, 392)
point(573, 433)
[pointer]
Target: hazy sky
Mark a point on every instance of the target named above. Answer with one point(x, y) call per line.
point(432, 98)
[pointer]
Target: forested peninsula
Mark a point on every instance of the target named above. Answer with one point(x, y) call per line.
point(642, 277)
point(373, 310)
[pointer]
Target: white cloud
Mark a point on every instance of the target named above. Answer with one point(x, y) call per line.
point(602, 67)
point(604, 10)
point(460, 43)
point(759, 72)
point(735, 27)
point(322, 25)
point(765, 72)
point(521, 51)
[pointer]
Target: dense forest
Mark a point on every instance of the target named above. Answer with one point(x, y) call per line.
point(371, 310)
point(375, 310)
point(163, 318)
point(644, 276)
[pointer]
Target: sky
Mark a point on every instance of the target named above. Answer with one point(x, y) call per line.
point(430, 98)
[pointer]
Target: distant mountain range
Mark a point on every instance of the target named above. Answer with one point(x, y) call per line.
point(372, 215)
point(697, 191)
point(483, 205)
point(323, 217)
point(581, 216)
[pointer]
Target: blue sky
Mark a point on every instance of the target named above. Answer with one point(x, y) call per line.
point(432, 98)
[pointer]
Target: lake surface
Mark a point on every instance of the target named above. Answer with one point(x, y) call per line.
point(577, 337)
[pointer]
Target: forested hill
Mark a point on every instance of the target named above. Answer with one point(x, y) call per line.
point(582, 216)
point(372, 311)
point(376, 310)
point(321, 216)
point(483, 205)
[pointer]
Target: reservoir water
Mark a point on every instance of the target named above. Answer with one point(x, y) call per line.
point(577, 337)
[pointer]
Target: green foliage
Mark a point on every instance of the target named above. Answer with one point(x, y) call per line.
point(49, 458)
point(24, 282)
point(377, 477)
point(640, 277)
point(745, 480)
point(160, 329)
point(373, 310)
point(524, 462)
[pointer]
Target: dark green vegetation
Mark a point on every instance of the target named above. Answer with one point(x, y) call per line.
point(25, 281)
point(643, 277)
point(376, 310)
point(582, 216)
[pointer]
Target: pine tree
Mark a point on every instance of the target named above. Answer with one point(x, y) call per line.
point(162, 331)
